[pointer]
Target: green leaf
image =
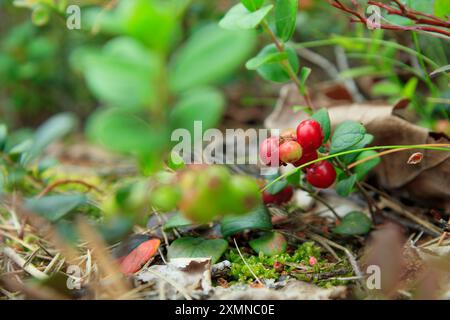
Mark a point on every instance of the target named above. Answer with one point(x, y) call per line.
point(346, 135)
point(295, 177)
point(304, 75)
point(240, 18)
point(139, 16)
point(125, 132)
point(3, 135)
point(363, 169)
point(201, 104)
point(20, 148)
point(275, 71)
point(252, 5)
point(409, 90)
point(53, 129)
point(177, 221)
point(270, 244)
point(345, 187)
point(124, 74)
point(189, 247)
point(442, 69)
point(259, 61)
point(175, 161)
point(285, 18)
point(210, 55)
point(258, 219)
point(40, 15)
point(386, 88)
point(55, 207)
point(323, 118)
point(354, 223)
point(442, 8)
point(349, 158)
point(277, 186)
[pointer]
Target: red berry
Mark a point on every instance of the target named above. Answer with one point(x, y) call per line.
point(290, 151)
point(309, 135)
point(269, 151)
point(278, 266)
point(281, 197)
point(312, 261)
point(321, 174)
point(307, 157)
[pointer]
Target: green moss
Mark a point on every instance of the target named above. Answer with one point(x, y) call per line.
point(263, 266)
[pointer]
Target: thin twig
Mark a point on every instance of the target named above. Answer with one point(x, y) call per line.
point(68, 181)
point(31, 269)
point(245, 262)
point(431, 24)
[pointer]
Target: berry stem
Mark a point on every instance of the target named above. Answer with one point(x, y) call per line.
point(287, 66)
point(354, 164)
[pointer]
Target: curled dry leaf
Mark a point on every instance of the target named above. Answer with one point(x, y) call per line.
point(422, 182)
point(415, 158)
point(181, 277)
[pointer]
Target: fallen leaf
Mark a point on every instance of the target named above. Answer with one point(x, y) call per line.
point(139, 256)
point(415, 158)
point(189, 275)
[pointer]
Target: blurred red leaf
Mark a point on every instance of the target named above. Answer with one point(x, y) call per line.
point(139, 256)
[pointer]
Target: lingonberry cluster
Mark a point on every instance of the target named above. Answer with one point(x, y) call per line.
point(299, 147)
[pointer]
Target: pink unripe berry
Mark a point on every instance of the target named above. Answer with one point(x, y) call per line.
point(290, 152)
point(312, 261)
point(269, 151)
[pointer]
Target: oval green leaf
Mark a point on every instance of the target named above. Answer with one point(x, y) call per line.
point(286, 18)
point(270, 244)
point(354, 223)
point(190, 247)
point(275, 71)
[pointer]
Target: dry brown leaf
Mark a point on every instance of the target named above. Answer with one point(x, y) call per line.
point(426, 182)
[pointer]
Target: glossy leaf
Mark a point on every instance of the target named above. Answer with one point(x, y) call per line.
point(363, 169)
point(190, 247)
point(40, 15)
point(53, 129)
point(55, 207)
point(346, 135)
point(3, 135)
point(270, 244)
point(349, 158)
point(275, 71)
point(259, 61)
point(201, 104)
point(323, 118)
point(124, 74)
point(125, 132)
point(258, 219)
point(285, 18)
point(345, 187)
point(277, 186)
point(354, 223)
point(442, 8)
point(177, 221)
point(240, 18)
point(252, 5)
point(210, 55)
